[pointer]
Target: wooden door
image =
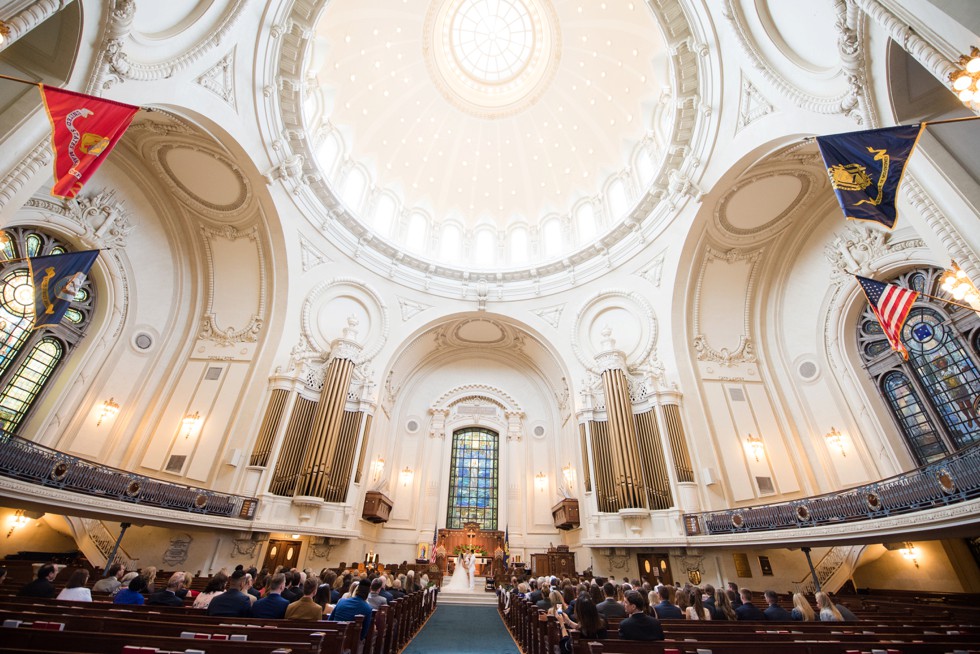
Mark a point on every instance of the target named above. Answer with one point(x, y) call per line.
point(540, 566)
point(655, 569)
point(282, 552)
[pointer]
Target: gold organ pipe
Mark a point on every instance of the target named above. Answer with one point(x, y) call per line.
point(654, 464)
point(363, 453)
point(294, 444)
point(626, 457)
point(604, 475)
point(317, 464)
point(586, 476)
point(678, 443)
point(270, 423)
point(339, 480)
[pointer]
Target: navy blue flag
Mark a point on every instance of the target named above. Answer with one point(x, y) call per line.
point(57, 279)
point(866, 169)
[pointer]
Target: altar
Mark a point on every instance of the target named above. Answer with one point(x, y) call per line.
point(471, 538)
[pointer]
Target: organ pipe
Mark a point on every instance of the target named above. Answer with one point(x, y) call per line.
point(294, 444)
point(678, 443)
point(623, 437)
point(270, 424)
point(316, 469)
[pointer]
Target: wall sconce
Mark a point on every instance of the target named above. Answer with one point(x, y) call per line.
point(569, 473)
point(836, 439)
point(4, 237)
point(756, 446)
point(377, 468)
point(4, 31)
point(966, 82)
point(910, 553)
point(406, 476)
point(541, 481)
point(109, 410)
point(20, 518)
point(190, 424)
point(956, 283)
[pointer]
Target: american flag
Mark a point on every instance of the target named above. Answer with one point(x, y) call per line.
point(891, 305)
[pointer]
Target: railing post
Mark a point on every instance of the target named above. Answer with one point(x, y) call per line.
point(813, 572)
point(115, 548)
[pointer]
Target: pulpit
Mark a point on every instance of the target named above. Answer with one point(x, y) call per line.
point(557, 561)
point(565, 514)
point(377, 507)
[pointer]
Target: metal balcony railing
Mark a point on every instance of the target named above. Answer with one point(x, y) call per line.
point(22, 459)
point(950, 481)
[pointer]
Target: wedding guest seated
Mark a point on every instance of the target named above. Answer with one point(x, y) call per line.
point(214, 588)
point(589, 622)
point(775, 611)
point(545, 602)
point(723, 605)
point(167, 596)
point(305, 608)
point(111, 583)
point(639, 625)
point(747, 610)
point(273, 605)
point(609, 607)
point(351, 607)
point(322, 597)
point(43, 586)
point(294, 588)
point(802, 609)
point(232, 603)
point(828, 611)
point(396, 589)
point(734, 595)
point(75, 589)
point(150, 577)
point(375, 598)
point(843, 610)
point(665, 610)
point(132, 593)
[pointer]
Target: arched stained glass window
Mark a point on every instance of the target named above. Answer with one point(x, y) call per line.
point(28, 358)
point(473, 478)
point(935, 395)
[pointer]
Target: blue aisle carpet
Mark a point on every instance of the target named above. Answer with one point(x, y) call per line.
point(463, 630)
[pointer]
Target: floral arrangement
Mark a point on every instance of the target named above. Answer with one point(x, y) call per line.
point(460, 550)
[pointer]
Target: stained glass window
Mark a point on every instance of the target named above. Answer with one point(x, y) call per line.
point(935, 395)
point(473, 479)
point(28, 358)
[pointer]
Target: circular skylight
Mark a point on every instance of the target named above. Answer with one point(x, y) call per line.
point(492, 40)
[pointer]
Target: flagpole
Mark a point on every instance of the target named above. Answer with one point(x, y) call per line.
point(18, 79)
point(949, 120)
point(965, 306)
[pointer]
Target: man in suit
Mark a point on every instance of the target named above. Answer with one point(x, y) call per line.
point(295, 588)
point(43, 586)
point(639, 625)
point(609, 607)
point(305, 608)
point(733, 595)
point(232, 603)
point(273, 605)
point(708, 599)
point(349, 608)
point(774, 611)
point(535, 595)
point(665, 610)
point(746, 610)
point(168, 596)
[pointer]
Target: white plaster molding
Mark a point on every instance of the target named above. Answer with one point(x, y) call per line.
point(609, 298)
point(752, 105)
point(220, 78)
point(551, 315)
point(311, 256)
point(732, 12)
point(30, 17)
point(857, 249)
point(809, 186)
point(116, 66)
point(955, 246)
point(654, 273)
point(210, 331)
point(410, 308)
point(101, 219)
point(157, 157)
point(26, 169)
point(368, 295)
point(745, 351)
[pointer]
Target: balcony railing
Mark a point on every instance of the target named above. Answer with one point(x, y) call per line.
point(950, 481)
point(22, 459)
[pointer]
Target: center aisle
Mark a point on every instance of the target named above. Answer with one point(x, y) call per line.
point(456, 629)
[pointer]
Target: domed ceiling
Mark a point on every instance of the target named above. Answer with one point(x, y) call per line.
point(489, 134)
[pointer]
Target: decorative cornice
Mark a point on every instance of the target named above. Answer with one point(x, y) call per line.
point(647, 317)
point(745, 352)
point(809, 184)
point(26, 169)
point(370, 350)
point(209, 329)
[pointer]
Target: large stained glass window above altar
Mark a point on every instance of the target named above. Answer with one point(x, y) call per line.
point(473, 479)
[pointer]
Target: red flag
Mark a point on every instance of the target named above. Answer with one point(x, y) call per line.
point(83, 131)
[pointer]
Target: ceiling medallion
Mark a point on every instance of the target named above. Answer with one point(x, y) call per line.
point(492, 58)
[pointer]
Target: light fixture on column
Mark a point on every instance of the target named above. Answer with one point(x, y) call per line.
point(836, 439)
point(568, 472)
point(190, 424)
point(406, 475)
point(910, 553)
point(4, 31)
point(377, 468)
point(756, 446)
point(957, 284)
point(541, 481)
point(966, 82)
point(109, 410)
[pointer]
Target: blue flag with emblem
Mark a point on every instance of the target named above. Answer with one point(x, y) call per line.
point(506, 545)
point(57, 279)
point(866, 169)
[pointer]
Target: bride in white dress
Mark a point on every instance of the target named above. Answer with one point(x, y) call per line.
point(460, 581)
